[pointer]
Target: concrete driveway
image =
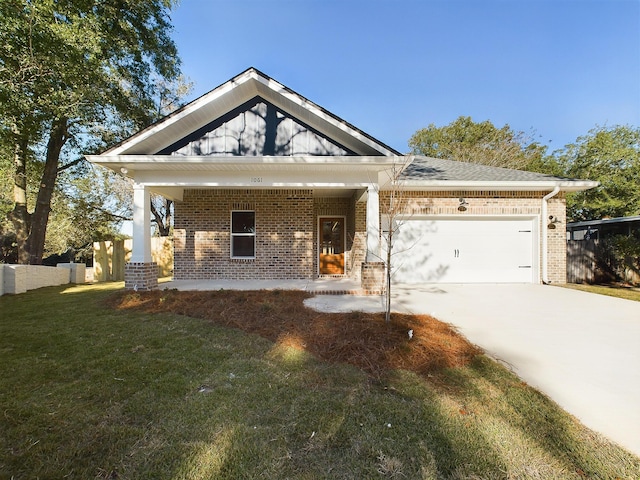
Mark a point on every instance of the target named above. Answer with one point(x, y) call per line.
point(581, 349)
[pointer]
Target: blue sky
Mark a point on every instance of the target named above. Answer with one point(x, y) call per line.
point(391, 67)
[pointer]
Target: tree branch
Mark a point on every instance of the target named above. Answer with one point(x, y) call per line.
point(111, 214)
point(70, 164)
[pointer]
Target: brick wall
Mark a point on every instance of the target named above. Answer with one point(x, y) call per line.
point(15, 279)
point(494, 203)
point(557, 240)
point(285, 227)
point(287, 223)
point(141, 276)
point(359, 247)
point(373, 278)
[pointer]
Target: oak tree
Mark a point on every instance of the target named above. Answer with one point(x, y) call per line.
point(73, 73)
point(611, 156)
point(468, 141)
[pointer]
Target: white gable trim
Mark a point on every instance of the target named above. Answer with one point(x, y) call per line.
point(234, 93)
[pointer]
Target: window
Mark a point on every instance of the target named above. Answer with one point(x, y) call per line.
point(243, 234)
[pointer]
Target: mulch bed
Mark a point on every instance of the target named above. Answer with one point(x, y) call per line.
point(361, 339)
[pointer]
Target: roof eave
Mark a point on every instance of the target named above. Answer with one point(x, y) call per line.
point(605, 221)
point(471, 185)
point(159, 160)
point(131, 165)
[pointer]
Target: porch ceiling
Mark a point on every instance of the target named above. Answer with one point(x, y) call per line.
point(176, 193)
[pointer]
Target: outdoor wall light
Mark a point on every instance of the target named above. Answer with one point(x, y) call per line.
point(463, 205)
point(552, 222)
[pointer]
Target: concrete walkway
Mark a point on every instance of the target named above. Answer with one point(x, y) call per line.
point(581, 349)
point(323, 286)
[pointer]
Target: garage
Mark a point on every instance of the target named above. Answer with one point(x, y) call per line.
point(470, 250)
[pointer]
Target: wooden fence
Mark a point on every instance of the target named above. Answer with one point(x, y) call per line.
point(109, 258)
point(589, 262)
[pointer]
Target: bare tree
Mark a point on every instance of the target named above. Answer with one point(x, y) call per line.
point(394, 213)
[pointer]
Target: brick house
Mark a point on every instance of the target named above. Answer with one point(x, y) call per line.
point(269, 185)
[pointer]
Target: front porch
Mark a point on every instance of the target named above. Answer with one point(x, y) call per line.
point(256, 172)
point(293, 237)
point(318, 286)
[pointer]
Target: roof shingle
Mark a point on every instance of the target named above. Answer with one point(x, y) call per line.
point(429, 168)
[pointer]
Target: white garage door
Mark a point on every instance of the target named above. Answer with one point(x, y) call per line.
point(473, 250)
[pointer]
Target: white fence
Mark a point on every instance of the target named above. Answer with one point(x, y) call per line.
point(16, 279)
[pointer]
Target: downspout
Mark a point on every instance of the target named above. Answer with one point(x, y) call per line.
point(545, 199)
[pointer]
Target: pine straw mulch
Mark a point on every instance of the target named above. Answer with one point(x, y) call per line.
point(357, 338)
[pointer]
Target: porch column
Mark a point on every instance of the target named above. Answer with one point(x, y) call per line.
point(141, 252)
point(373, 224)
point(373, 268)
point(141, 273)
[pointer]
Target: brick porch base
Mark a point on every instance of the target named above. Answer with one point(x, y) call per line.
point(141, 276)
point(373, 278)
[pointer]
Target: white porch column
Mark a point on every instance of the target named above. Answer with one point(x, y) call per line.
point(373, 224)
point(141, 252)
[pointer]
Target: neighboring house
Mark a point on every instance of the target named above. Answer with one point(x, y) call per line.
point(607, 227)
point(268, 185)
point(595, 254)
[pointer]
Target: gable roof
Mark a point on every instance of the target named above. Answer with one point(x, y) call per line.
point(230, 95)
point(208, 135)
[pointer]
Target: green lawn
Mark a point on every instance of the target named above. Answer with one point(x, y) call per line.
point(627, 293)
point(89, 392)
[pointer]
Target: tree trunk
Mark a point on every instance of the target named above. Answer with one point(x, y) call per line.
point(162, 217)
point(167, 219)
point(40, 218)
point(20, 217)
point(387, 314)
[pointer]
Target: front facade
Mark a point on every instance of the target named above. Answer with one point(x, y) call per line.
point(286, 229)
point(268, 185)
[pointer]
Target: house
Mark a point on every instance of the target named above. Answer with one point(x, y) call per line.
point(597, 251)
point(269, 185)
point(606, 227)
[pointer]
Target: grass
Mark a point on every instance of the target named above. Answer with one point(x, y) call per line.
point(138, 391)
point(619, 291)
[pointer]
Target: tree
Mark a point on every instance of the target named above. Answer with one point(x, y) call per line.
point(68, 69)
point(168, 98)
point(89, 204)
point(393, 203)
point(610, 155)
point(393, 211)
point(467, 141)
point(87, 207)
point(161, 210)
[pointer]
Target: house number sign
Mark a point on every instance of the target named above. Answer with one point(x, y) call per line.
point(256, 179)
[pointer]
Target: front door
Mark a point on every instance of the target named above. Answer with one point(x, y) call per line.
point(331, 242)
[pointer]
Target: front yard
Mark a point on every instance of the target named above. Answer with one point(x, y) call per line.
point(619, 291)
point(96, 383)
